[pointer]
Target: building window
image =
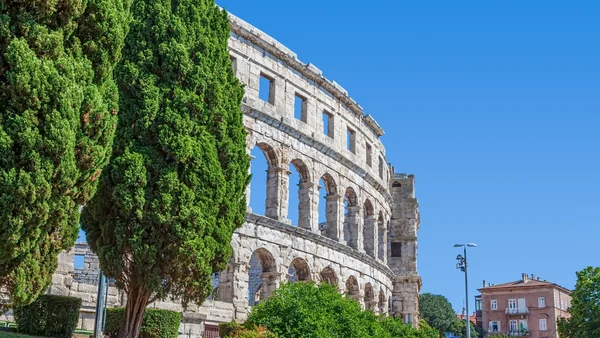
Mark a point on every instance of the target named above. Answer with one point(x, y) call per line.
point(543, 325)
point(494, 326)
point(300, 108)
point(522, 324)
point(351, 140)
point(266, 89)
point(380, 168)
point(494, 304)
point(328, 123)
point(512, 303)
point(233, 64)
point(541, 301)
point(478, 303)
point(369, 152)
point(513, 325)
point(408, 318)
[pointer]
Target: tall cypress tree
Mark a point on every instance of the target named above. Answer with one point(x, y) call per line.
point(173, 193)
point(57, 122)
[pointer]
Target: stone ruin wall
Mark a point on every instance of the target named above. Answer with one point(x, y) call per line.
point(367, 248)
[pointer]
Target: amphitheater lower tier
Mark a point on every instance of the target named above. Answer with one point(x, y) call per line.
point(266, 253)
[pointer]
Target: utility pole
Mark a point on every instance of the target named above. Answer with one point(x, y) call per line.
point(100, 305)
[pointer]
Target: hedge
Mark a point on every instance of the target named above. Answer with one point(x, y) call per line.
point(49, 315)
point(157, 323)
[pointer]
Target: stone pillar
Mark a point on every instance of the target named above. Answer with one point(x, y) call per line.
point(270, 283)
point(334, 216)
point(277, 193)
point(233, 288)
point(354, 225)
point(370, 235)
point(308, 212)
point(405, 298)
point(382, 244)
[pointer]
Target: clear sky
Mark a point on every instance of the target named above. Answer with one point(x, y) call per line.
point(493, 105)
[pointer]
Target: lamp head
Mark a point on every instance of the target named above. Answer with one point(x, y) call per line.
point(472, 245)
point(458, 245)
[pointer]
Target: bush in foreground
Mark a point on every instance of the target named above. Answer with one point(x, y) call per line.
point(157, 323)
point(303, 310)
point(51, 316)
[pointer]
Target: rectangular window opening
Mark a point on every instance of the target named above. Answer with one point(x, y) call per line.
point(78, 262)
point(543, 324)
point(266, 89)
point(300, 108)
point(494, 304)
point(351, 140)
point(328, 123)
point(380, 168)
point(233, 64)
point(369, 154)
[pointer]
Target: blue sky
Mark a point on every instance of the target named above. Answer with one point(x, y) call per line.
point(493, 105)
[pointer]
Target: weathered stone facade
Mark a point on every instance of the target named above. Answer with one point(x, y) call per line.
point(368, 244)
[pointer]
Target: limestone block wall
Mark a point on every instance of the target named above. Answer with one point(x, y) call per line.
point(367, 246)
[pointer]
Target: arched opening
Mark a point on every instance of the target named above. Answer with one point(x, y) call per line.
point(382, 235)
point(298, 271)
point(328, 207)
point(352, 290)
point(369, 297)
point(264, 158)
point(350, 218)
point(328, 276)
point(369, 229)
point(381, 302)
point(299, 194)
point(262, 276)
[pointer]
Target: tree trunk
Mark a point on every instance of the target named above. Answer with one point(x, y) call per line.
point(137, 300)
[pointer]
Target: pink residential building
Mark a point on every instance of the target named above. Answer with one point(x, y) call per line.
point(528, 307)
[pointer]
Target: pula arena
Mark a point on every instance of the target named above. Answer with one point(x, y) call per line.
point(368, 245)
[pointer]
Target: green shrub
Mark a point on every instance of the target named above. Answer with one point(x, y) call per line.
point(51, 316)
point(306, 310)
point(228, 329)
point(157, 323)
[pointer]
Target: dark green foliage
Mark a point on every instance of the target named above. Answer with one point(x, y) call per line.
point(57, 122)
point(157, 323)
point(585, 307)
point(437, 311)
point(173, 193)
point(309, 310)
point(228, 329)
point(50, 316)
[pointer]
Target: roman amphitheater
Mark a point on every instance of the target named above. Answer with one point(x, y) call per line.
point(366, 242)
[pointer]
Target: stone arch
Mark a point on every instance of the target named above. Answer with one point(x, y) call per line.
point(303, 193)
point(328, 276)
point(263, 276)
point(328, 223)
point(382, 236)
point(369, 229)
point(370, 301)
point(381, 301)
point(299, 271)
point(270, 153)
point(352, 289)
point(351, 214)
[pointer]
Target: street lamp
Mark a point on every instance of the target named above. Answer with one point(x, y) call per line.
point(462, 265)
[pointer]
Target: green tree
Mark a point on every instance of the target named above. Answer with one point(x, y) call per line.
point(306, 310)
point(585, 307)
point(57, 121)
point(174, 191)
point(437, 312)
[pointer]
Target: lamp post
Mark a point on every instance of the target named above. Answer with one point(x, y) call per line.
point(462, 265)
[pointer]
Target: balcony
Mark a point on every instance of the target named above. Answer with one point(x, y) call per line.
point(517, 311)
point(511, 333)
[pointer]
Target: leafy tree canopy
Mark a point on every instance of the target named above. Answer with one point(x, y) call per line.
point(437, 311)
point(307, 310)
point(174, 191)
point(585, 307)
point(57, 122)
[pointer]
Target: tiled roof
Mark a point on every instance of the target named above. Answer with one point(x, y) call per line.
point(523, 283)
